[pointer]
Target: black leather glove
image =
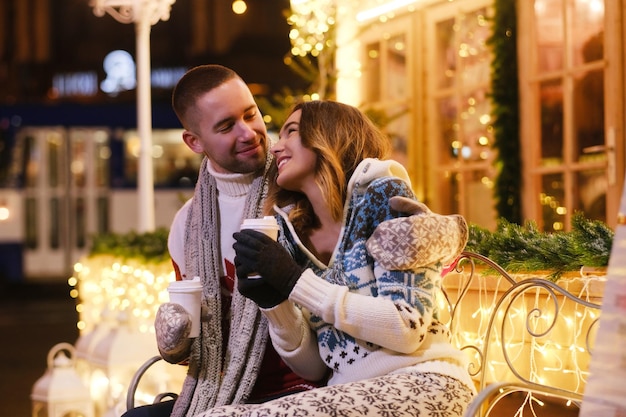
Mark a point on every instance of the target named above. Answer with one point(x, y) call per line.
point(255, 252)
point(259, 291)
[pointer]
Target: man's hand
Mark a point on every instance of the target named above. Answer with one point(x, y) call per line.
point(407, 206)
point(172, 326)
point(257, 253)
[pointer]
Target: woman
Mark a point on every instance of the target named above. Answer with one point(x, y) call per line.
point(331, 306)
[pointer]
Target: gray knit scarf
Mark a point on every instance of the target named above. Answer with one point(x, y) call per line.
point(215, 377)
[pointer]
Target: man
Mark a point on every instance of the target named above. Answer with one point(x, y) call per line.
point(222, 121)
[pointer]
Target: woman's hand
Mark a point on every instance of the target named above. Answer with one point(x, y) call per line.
point(259, 291)
point(257, 253)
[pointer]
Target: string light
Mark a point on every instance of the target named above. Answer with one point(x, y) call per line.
point(114, 294)
point(311, 22)
point(106, 283)
point(560, 357)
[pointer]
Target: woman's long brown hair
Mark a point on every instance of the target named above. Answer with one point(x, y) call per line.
point(341, 136)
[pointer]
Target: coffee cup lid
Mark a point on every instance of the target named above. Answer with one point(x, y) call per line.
point(265, 221)
point(186, 284)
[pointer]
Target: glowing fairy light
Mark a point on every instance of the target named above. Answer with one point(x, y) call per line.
point(545, 345)
point(121, 297)
point(104, 282)
point(311, 22)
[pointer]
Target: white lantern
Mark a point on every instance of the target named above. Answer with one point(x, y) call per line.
point(86, 343)
point(114, 361)
point(60, 392)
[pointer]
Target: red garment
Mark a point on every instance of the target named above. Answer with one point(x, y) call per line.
point(275, 378)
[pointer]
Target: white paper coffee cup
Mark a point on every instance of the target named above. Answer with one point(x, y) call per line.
point(266, 225)
point(188, 294)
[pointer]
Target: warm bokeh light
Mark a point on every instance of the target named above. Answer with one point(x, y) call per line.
point(4, 213)
point(311, 21)
point(239, 7)
point(108, 283)
point(560, 358)
point(116, 301)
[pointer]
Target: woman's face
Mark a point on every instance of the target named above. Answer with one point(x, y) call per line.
point(296, 163)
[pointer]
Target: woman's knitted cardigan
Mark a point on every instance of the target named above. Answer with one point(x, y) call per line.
point(369, 320)
point(216, 377)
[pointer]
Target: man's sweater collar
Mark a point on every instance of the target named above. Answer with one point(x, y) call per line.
point(233, 184)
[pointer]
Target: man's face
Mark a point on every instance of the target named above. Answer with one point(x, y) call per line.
point(227, 126)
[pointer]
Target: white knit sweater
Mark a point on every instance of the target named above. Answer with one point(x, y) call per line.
point(352, 315)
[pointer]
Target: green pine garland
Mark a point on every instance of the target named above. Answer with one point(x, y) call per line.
point(150, 247)
point(516, 248)
point(505, 111)
point(526, 249)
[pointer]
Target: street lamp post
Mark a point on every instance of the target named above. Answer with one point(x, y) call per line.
point(144, 13)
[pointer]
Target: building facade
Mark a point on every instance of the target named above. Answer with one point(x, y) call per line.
point(427, 65)
point(422, 66)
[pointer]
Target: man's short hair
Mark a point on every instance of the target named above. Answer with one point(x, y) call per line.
point(195, 83)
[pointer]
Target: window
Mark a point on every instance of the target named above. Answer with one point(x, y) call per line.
point(174, 164)
point(387, 82)
point(569, 128)
point(459, 136)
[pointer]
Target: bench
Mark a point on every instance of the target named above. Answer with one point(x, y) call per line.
point(528, 336)
point(525, 337)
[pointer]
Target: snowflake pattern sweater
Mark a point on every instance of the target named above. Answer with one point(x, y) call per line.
point(352, 315)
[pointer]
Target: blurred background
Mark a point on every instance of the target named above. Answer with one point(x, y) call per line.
point(491, 121)
point(498, 109)
point(68, 116)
